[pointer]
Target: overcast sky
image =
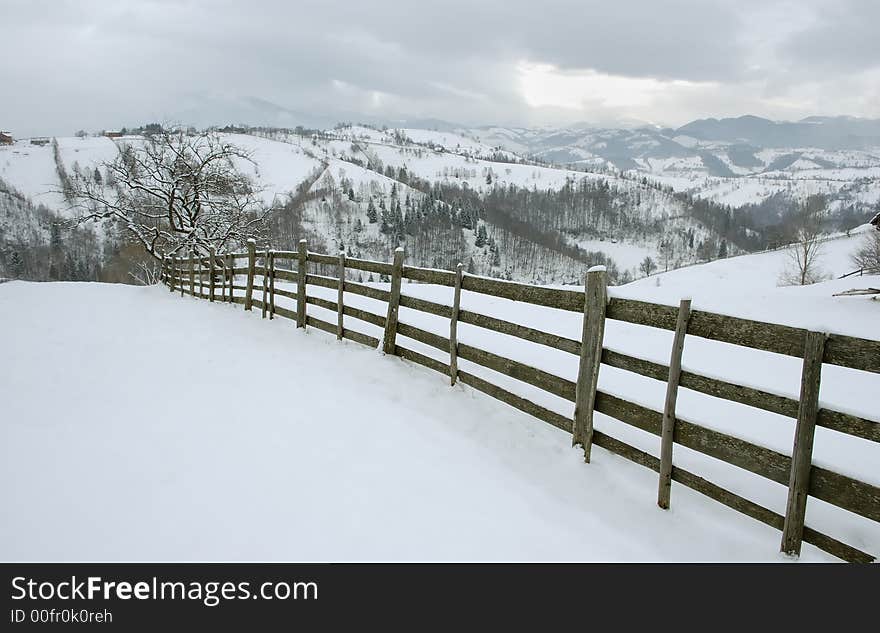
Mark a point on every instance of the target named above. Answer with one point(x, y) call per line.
point(93, 64)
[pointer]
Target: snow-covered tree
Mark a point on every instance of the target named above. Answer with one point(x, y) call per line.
point(174, 193)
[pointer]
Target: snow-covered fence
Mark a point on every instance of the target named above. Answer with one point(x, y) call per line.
point(216, 277)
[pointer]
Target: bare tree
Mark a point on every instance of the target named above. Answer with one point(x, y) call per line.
point(647, 266)
point(867, 257)
point(804, 254)
point(175, 193)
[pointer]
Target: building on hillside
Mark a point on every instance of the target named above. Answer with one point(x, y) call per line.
point(40, 141)
point(6, 138)
point(112, 133)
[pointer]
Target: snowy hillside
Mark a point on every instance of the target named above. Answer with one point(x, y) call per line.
point(750, 285)
point(446, 197)
point(728, 170)
point(421, 472)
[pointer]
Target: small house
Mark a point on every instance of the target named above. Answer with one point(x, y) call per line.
point(6, 138)
point(40, 141)
point(112, 133)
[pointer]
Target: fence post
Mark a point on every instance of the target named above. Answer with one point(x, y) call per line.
point(265, 301)
point(667, 432)
point(168, 273)
point(390, 338)
point(213, 255)
point(339, 302)
point(192, 275)
point(802, 452)
point(230, 262)
point(595, 300)
point(302, 258)
point(177, 263)
point(271, 284)
point(453, 327)
point(252, 262)
point(201, 278)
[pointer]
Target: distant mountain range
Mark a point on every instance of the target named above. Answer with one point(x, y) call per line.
point(839, 132)
point(823, 132)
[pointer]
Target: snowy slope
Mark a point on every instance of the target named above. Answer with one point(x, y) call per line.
point(252, 458)
point(747, 282)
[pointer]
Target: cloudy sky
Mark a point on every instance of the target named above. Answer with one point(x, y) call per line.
point(93, 64)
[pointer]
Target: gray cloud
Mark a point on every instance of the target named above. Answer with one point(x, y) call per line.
point(103, 63)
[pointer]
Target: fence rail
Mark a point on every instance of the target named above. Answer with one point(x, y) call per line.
point(213, 277)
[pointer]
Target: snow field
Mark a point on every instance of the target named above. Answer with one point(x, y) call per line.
point(144, 426)
point(842, 389)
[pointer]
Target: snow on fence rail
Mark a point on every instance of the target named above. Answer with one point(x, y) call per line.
point(214, 278)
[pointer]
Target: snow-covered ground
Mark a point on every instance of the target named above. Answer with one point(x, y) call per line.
point(141, 425)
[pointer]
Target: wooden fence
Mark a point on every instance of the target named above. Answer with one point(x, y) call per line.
point(214, 277)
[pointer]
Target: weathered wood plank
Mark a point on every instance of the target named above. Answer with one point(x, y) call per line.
point(321, 303)
point(421, 359)
point(271, 284)
point(857, 353)
point(320, 258)
point(322, 280)
point(535, 377)
point(429, 275)
point(849, 424)
point(840, 490)
point(520, 331)
point(827, 418)
point(252, 263)
point(769, 337)
point(642, 313)
point(561, 422)
point(211, 270)
point(423, 305)
point(366, 291)
point(301, 292)
point(363, 315)
point(228, 277)
point(423, 336)
point(393, 303)
point(668, 426)
point(802, 453)
point(539, 295)
point(845, 492)
point(595, 301)
point(284, 312)
point(759, 460)
point(286, 275)
point(321, 325)
point(192, 276)
point(369, 266)
point(265, 300)
point(740, 504)
point(340, 308)
point(281, 292)
point(360, 337)
point(453, 326)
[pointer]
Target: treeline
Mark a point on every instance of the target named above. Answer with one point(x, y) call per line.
point(38, 245)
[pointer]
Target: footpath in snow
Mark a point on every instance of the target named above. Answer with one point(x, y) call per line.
point(140, 425)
